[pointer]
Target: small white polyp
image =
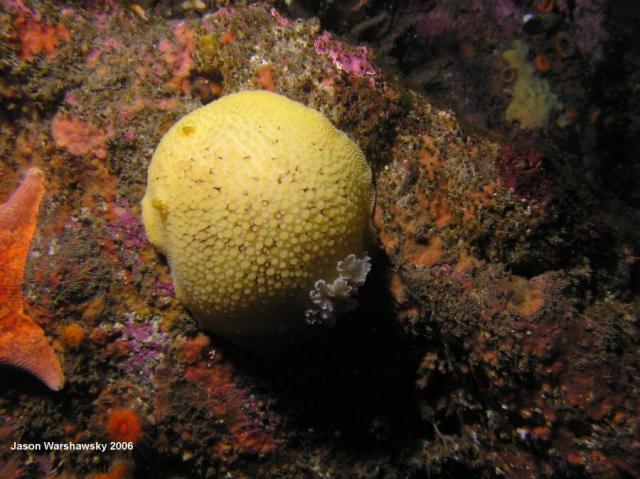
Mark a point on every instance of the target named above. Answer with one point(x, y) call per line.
point(330, 300)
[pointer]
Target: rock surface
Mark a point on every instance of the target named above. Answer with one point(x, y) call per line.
point(497, 335)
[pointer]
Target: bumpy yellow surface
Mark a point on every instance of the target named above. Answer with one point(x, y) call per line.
point(532, 102)
point(253, 198)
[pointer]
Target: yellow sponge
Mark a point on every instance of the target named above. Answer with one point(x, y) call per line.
point(532, 102)
point(263, 209)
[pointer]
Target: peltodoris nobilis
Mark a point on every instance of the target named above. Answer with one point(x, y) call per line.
point(262, 208)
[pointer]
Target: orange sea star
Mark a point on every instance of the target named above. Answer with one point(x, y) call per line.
point(22, 342)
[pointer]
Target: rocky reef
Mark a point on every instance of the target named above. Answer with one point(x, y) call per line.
point(497, 333)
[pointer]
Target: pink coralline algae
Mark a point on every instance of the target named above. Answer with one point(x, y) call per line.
point(435, 23)
point(508, 17)
point(126, 228)
point(522, 172)
point(178, 56)
point(590, 31)
point(33, 33)
point(145, 343)
point(105, 45)
point(17, 6)
point(469, 20)
point(282, 21)
point(80, 137)
point(165, 289)
point(353, 60)
point(505, 9)
point(128, 111)
point(207, 22)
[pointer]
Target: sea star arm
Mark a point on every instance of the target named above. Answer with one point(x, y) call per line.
point(22, 342)
point(24, 346)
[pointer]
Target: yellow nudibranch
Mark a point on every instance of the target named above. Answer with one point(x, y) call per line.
point(263, 210)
